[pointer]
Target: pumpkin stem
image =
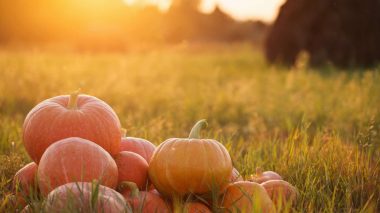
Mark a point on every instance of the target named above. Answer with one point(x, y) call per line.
point(123, 132)
point(131, 186)
point(259, 171)
point(196, 130)
point(73, 99)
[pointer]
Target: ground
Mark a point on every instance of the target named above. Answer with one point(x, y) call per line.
point(318, 128)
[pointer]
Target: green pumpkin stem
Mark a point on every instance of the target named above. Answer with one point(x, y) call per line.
point(123, 132)
point(73, 100)
point(196, 130)
point(131, 186)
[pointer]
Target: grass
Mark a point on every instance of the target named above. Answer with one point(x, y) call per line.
point(320, 129)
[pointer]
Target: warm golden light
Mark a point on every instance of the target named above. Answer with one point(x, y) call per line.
point(239, 9)
point(246, 9)
point(118, 23)
point(163, 5)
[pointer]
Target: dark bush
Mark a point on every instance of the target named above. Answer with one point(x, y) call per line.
point(342, 32)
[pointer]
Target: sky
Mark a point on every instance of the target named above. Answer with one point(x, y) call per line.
point(246, 9)
point(265, 10)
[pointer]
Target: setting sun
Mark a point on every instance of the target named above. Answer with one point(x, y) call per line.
point(246, 9)
point(265, 10)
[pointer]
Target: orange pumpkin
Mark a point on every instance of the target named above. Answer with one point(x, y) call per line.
point(75, 160)
point(24, 181)
point(85, 197)
point(138, 145)
point(196, 207)
point(142, 201)
point(261, 177)
point(235, 176)
point(181, 166)
point(245, 196)
point(282, 193)
point(132, 167)
point(71, 116)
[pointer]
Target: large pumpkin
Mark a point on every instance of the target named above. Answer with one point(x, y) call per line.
point(181, 166)
point(132, 167)
point(71, 116)
point(138, 145)
point(75, 160)
point(84, 197)
point(245, 196)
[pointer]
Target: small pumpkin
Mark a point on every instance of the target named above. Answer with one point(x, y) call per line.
point(282, 193)
point(75, 160)
point(27, 209)
point(71, 116)
point(143, 201)
point(137, 145)
point(245, 196)
point(132, 167)
point(235, 176)
point(196, 207)
point(154, 191)
point(261, 177)
point(25, 181)
point(86, 197)
point(181, 166)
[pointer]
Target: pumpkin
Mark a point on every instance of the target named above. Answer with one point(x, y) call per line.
point(235, 176)
point(261, 177)
point(245, 196)
point(75, 160)
point(282, 193)
point(181, 166)
point(154, 191)
point(24, 181)
point(27, 209)
point(143, 201)
point(196, 207)
point(132, 167)
point(84, 197)
point(17, 201)
point(138, 145)
point(71, 116)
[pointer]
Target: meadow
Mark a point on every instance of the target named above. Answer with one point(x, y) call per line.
point(318, 128)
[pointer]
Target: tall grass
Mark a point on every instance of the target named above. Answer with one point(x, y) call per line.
point(320, 129)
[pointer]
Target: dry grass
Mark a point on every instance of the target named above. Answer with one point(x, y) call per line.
point(319, 129)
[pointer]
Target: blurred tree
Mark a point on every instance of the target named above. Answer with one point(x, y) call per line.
point(111, 24)
point(343, 32)
point(188, 4)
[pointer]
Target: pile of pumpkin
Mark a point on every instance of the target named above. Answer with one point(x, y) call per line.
point(83, 163)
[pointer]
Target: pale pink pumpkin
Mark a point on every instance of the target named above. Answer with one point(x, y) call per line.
point(72, 197)
point(138, 145)
point(75, 160)
point(71, 116)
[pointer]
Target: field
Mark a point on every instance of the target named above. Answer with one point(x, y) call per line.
point(320, 129)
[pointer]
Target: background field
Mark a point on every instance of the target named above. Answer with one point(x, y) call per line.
point(318, 128)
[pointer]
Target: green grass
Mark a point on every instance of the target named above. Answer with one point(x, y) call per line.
point(320, 129)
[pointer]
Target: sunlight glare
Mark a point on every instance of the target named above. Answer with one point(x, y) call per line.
point(163, 5)
point(245, 9)
point(239, 9)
